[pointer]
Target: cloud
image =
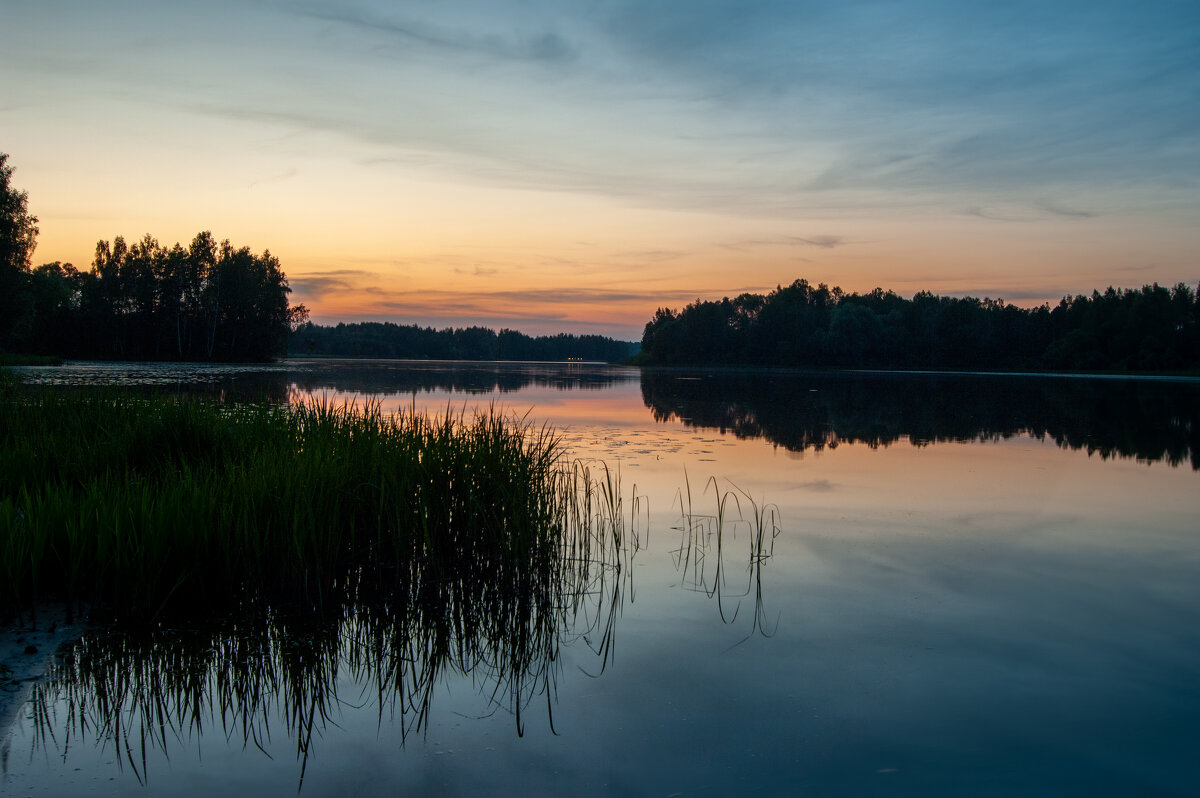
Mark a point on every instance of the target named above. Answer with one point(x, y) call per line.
point(818, 241)
point(478, 271)
point(989, 214)
point(541, 46)
point(822, 242)
point(1058, 210)
point(1037, 211)
point(315, 285)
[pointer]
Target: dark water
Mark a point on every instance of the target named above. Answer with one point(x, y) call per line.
point(832, 585)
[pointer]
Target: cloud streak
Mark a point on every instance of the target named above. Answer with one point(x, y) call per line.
point(543, 47)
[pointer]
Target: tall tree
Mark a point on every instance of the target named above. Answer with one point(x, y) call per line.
point(18, 237)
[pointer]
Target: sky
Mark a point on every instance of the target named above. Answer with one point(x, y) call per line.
point(555, 166)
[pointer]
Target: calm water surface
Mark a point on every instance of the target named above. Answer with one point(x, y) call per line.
point(972, 585)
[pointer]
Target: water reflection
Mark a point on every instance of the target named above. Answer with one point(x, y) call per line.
point(155, 690)
point(375, 378)
point(722, 554)
point(393, 377)
point(149, 694)
point(1148, 420)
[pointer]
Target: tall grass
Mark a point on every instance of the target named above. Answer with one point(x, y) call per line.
point(500, 613)
point(141, 506)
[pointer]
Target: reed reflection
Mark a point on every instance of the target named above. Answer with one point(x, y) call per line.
point(1152, 421)
point(153, 693)
point(739, 532)
point(502, 625)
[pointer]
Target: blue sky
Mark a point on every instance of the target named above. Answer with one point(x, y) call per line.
point(573, 166)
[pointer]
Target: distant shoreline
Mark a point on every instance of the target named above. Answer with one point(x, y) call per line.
point(726, 368)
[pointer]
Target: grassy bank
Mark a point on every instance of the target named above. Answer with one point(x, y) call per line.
point(143, 506)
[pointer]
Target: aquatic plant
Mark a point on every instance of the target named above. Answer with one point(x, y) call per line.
point(139, 506)
point(145, 690)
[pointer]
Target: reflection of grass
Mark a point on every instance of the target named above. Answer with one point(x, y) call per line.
point(503, 627)
point(146, 505)
point(707, 545)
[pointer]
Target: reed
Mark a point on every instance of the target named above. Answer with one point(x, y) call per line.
point(140, 506)
point(266, 667)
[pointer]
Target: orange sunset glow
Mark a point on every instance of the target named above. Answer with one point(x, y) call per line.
point(561, 170)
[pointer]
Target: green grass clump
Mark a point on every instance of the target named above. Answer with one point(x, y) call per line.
point(143, 505)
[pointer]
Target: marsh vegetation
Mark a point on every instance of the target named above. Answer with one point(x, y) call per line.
point(278, 672)
point(142, 506)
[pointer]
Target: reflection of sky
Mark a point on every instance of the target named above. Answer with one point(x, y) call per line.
point(1011, 615)
point(555, 166)
point(994, 618)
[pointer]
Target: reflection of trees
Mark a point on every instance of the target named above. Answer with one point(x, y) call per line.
point(389, 378)
point(1147, 420)
point(377, 378)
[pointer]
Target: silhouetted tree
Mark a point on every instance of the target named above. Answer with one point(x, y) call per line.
point(18, 238)
point(1149, 329)
point(388, 340)
point(148, 302)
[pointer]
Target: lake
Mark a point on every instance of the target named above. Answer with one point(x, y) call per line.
point(830, 584)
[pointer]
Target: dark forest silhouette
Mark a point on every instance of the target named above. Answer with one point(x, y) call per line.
point(139, 301)
point(144, 301)
point(18, 237)
point(1149, 329)
point(388, 340)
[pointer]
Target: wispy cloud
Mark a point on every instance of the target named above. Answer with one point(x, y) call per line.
point(316, 285)
point(821, 242)
point(477, 271)
point(1059, 210)
point(542, 46)
point(817, 241)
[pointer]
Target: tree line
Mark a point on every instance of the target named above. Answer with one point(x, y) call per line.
point(410, 341)
point(140, 300)
point(144, 301)
point(1153, 328)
